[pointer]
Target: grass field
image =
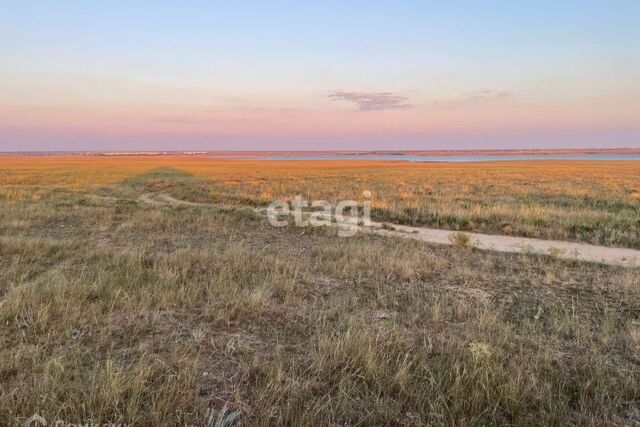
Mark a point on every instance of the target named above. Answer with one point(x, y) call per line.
point(116, 310)
point(595, 202)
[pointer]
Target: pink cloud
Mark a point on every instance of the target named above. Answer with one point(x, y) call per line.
point(373, 101)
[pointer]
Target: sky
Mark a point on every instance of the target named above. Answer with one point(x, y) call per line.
point(318, 75)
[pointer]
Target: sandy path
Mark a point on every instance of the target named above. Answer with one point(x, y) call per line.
point(557, 248)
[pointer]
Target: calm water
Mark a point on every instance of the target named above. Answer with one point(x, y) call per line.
point(452, 159)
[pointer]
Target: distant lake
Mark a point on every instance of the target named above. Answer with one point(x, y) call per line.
point(427, 158)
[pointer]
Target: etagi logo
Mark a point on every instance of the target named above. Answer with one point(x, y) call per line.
point(346, 214)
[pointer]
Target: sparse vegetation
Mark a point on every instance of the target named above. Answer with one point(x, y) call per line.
point(460, 239)
point(115, 310)
point(589, 201)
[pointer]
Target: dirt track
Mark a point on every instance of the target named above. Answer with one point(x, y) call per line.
point(556, 248)
point(560, 249)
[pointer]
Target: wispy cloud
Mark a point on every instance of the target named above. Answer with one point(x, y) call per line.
point(476, 97)
point(373, 101)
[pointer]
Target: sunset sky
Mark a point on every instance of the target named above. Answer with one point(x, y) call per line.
point(332, 75)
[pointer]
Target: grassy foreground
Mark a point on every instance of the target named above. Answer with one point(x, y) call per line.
point(112, 310)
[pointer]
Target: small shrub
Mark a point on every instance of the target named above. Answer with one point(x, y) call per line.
point(554, 252)
point(460, 240)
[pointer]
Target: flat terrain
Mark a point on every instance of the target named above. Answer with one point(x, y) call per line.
point(118, 310)
point(595, 202)
point(556, 248)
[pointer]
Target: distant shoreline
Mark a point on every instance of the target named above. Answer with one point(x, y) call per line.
point(399, 153)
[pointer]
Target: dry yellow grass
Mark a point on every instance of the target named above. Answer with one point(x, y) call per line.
point(117, 311)
point(591, 201)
